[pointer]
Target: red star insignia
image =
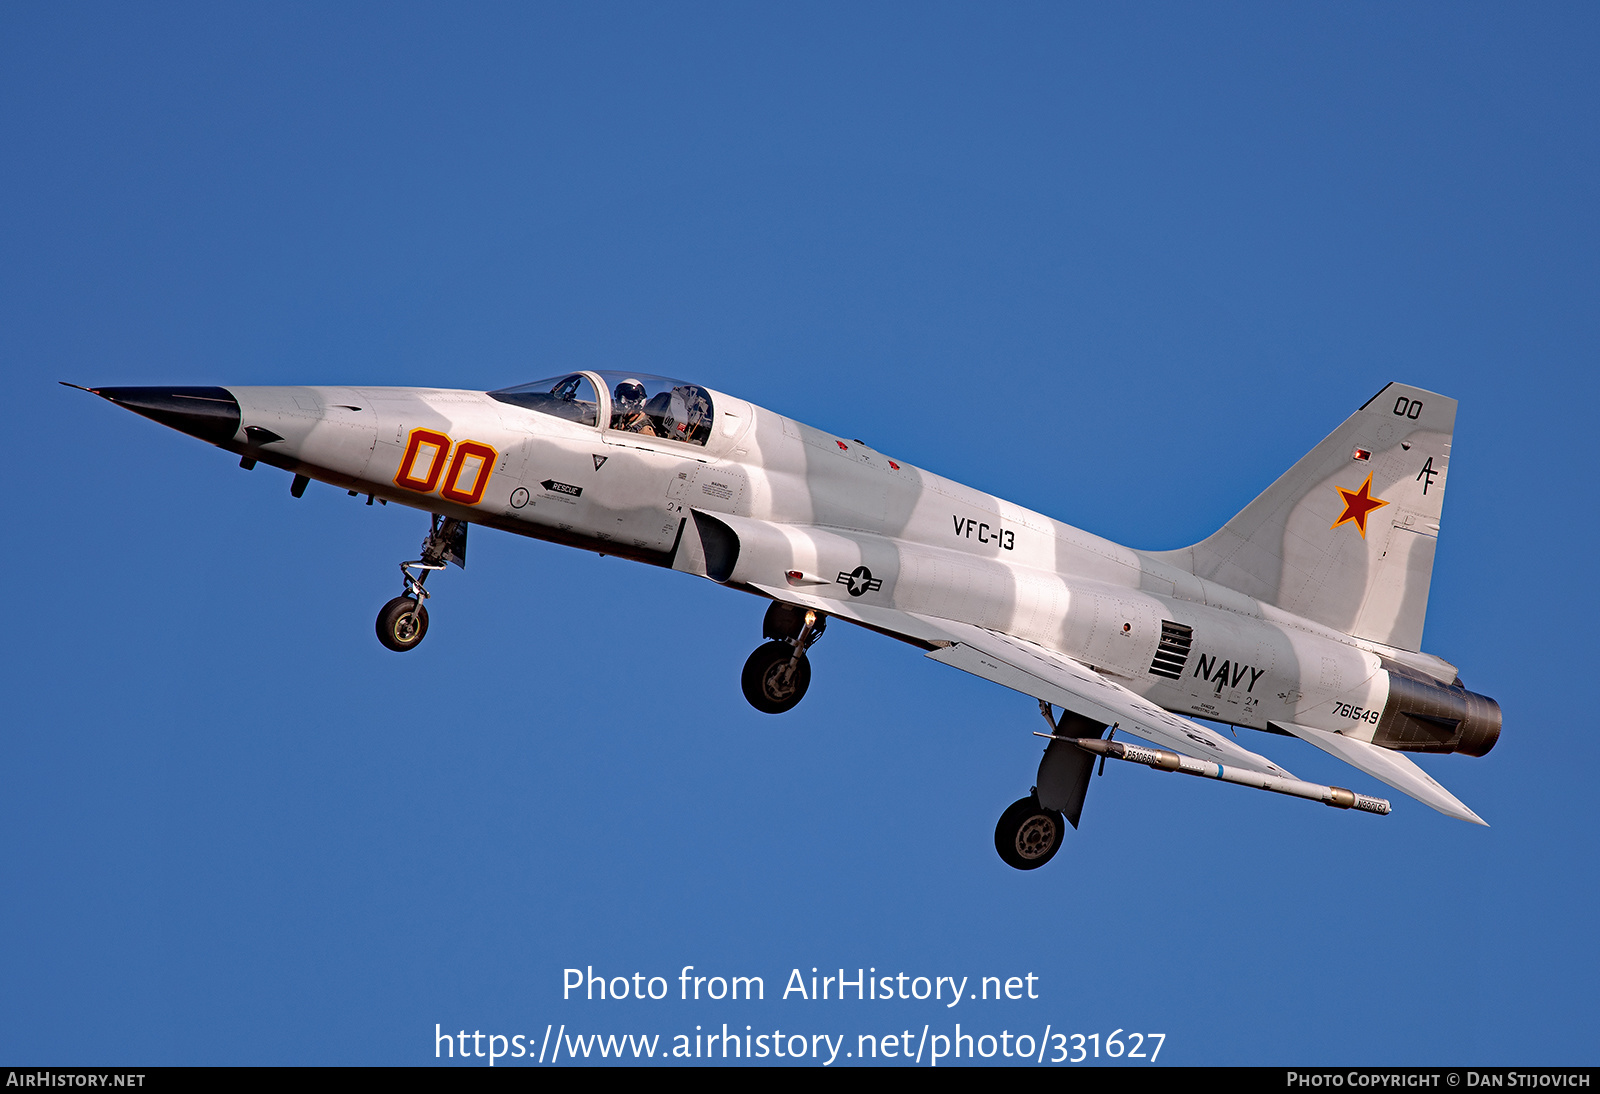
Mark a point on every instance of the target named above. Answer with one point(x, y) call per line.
point(1358, 504)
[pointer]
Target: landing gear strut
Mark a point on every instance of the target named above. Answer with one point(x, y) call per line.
point(403, 621)
point(1032, 830)
point(777, 674)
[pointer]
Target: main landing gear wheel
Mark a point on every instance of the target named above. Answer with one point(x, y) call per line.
point(777, 675)
point(775, 678)
point(1029, 835)
point(402, 623)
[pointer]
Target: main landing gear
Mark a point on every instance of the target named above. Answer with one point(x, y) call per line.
point(777, 675)
point(1029, 835)
point(403, 621)
point(1033, 829)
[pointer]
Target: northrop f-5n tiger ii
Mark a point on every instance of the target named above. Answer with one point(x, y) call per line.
point(1301, 616)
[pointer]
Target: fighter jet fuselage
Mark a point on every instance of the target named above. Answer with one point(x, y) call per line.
point(681, 476)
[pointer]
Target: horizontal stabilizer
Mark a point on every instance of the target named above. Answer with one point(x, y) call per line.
point(1387, 766)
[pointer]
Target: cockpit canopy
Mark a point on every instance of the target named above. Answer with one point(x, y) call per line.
point(633, 402)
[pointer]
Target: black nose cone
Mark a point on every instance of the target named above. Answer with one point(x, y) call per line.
point(210, 413)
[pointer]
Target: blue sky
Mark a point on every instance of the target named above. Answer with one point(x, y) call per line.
point(1121, 264)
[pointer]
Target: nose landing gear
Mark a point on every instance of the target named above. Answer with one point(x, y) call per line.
point(776, 676)
point(403, 621)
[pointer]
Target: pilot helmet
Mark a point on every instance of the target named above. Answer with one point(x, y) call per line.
point(629, 397)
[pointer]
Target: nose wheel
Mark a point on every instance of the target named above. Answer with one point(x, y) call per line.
point(776, 676)
point(403, 621)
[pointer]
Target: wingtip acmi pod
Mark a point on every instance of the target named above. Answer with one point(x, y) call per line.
point(1301, 616)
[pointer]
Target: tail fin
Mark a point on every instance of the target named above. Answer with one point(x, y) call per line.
point(1346, 536)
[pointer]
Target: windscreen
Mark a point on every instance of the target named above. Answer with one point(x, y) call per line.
point(571, 397)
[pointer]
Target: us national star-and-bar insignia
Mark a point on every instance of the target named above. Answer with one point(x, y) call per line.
point(1358, 504)
point(859, 582)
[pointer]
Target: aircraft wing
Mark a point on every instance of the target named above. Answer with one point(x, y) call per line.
point(1388, 766)
point(1055, 678)
point(1043, 674)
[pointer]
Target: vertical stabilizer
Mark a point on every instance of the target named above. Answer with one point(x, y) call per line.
point(1346, 536)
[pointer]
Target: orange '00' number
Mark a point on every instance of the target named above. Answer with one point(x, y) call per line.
point(472, 458)
point(427, 455)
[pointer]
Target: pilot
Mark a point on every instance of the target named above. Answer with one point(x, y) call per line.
point(690, 409)
point(627, 410)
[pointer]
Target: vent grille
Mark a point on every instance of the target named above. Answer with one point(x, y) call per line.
point(1173, 652)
